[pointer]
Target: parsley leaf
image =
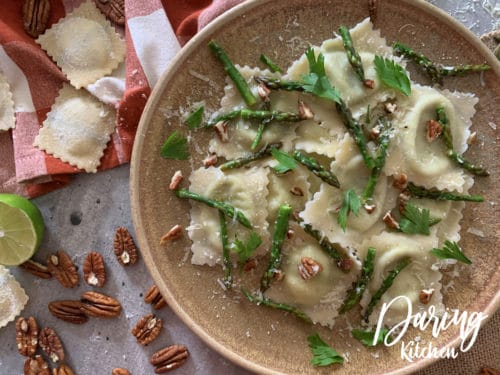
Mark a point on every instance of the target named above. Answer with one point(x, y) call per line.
point(351, 203)
point(193, 121)
point(246, 249)
point(366, 337)
point(286, 162)
point(316, 82)
point(323, 354)
point(416, 220)
point(175, 147)
point(451, 250)
point(392, 74)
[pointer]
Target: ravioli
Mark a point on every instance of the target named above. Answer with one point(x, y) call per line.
point(84, 45)
point(77, 129)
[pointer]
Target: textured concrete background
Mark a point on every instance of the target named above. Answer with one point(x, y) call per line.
point(82, 218)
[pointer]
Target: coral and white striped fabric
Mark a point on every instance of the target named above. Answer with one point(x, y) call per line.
point(154, 32)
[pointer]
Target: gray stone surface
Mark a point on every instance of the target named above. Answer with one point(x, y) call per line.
point(101, 201)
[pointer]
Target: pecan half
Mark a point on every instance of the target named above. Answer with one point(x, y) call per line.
point(120, 371)
point(36, 269)
point(210, 160)
point(26, 336)
point(124, 247)
point(63, 370)
point(400, 181)
point(36, 366)
point(147, 329)
point(36, 14)
point(425, 296)
point(94, 272)
point(100, 305)
point(169, 358)
point(173, 233)
point(51, 344)
point(390, 221)
point(154, 297)
point(62, 267)
point(69, 311)
point(114, 10)
point(434, 130)
point(176, 180)
point(308, 268)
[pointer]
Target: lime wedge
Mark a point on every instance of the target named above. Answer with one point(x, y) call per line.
point(21, 229)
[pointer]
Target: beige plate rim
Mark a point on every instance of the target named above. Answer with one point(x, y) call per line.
point(181, 56)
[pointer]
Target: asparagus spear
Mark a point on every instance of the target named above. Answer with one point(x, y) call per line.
point(333, 250)
point(353, 56)
point(280, 229)
point(263, 152)
point(270, 64)
point(379, 161)
point(278, 84)
point(386, 284)
point(233, 73)
point(441, 195)
point(250, 114)
point(443, 120)
point(226, 260)
point(315, 167)
point(264, 301)
point(357, 291)
point(436, 71)
point(224, 207)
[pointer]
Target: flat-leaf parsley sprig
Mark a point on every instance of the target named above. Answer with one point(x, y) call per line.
point(323, 354)
point(175, 147)
point(392, 74)
point(451, 250)
point(351, 203)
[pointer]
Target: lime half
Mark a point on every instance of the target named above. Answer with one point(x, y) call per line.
point(21, 229)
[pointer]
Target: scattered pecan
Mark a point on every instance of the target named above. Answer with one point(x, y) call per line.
point(210, 160)
point(36, 14)
point(169, 358)
point(472, 138)
point(489, 371)
point(400, 181)
point(403, 198)
point(369, 207)
point(63, 370)
point(345, 264)
point(425, 296)
point(305, 112)
point(147, 329)
point(120, 371)
point(176, 180)
point(154, 297)
point(390, 221)
point(174, 233)
point(263, 91)
point(221, 131)
point(369, 83)
point(124, 247)
point(250, 264)
point(36, 366)
point(26, 336)
point(100, 305)
point(390, 107)
point(62, 267)
point(68, 311)
point(278, 275)
point(94, 272)
point(114, 10)
point(51, 344)
point(434, 130)
point(297, 191)
point(308, 268)
point(36, 269)
point(290, 233)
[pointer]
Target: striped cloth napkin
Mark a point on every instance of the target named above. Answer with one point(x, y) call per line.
point(154, 32)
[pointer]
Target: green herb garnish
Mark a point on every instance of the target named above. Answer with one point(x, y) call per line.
point(194, 119)
point(286, 162)
point(351, 203)
point(367, 337)
point(323, 354)
point(316, 82)
point(416, 220)
point(245, 249)
point(451, 250)
point(175, 147)
point(392, 74)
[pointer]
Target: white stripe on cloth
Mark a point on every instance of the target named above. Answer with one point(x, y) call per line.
point(154, 42)
point(19, 86)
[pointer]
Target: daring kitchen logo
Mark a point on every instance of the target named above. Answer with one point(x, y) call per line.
point(411, 350)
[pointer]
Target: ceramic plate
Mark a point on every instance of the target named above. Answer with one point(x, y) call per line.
point(257, 338)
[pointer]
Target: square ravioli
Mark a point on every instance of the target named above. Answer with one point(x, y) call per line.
point(7, 117)
point(77, 129)
point(84, 45)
